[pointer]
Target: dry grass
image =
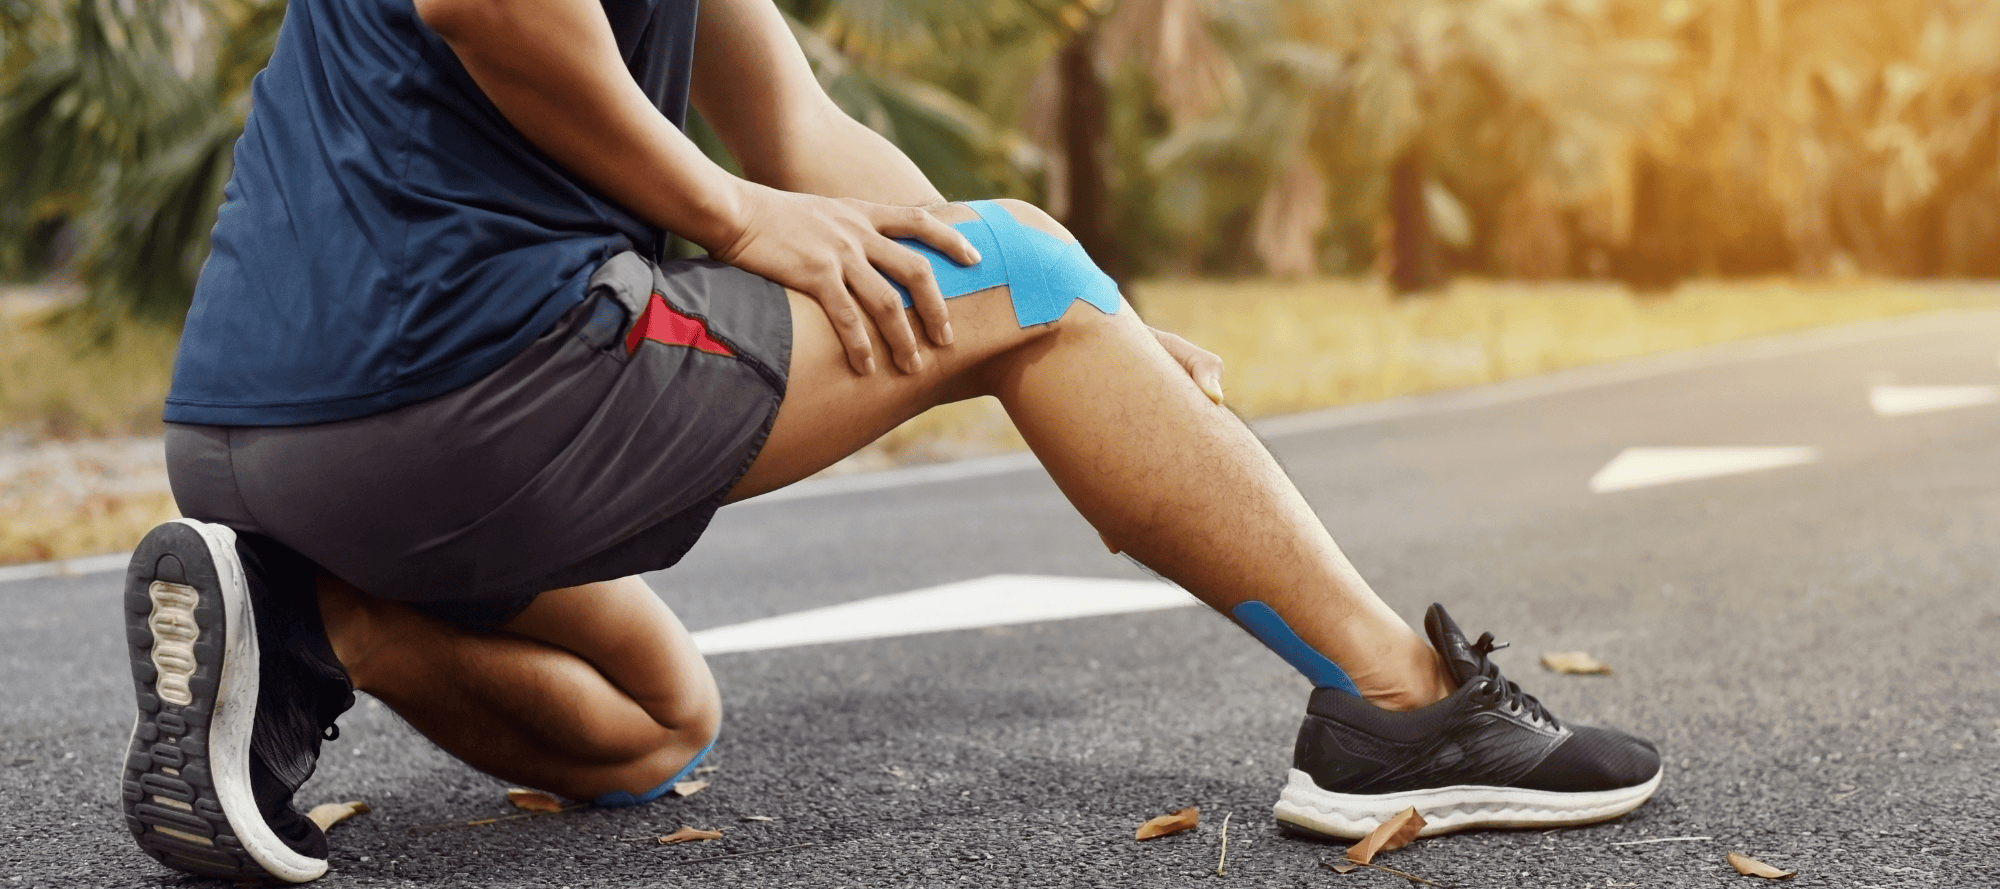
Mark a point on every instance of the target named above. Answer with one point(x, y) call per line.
point(41, 526)
point(64, 377)
point(61, 499)
point(1288, 347)
point(72, 393)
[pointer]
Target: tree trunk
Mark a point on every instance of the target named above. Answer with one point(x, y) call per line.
point(1082, 117)
point(1655, 257)
point(1416, 264)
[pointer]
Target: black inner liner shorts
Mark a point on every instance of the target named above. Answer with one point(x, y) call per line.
point(601, 451)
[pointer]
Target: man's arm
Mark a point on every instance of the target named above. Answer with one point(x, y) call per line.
point(753, 85)
point(552, 68)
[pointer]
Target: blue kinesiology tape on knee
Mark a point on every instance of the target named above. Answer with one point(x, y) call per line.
point(1043, 273)
point(1270, 629)
point(618, 799)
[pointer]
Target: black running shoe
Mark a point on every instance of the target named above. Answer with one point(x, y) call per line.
point(1490, 755)
point(236, 682)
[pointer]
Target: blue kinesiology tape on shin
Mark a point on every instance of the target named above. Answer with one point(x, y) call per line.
point(1043, 273)
point(618, 799)
point(1270, 629)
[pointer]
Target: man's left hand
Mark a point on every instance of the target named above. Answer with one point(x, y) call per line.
point(1202, 366)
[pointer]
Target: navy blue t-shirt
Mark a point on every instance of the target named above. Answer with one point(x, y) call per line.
point(387, 236)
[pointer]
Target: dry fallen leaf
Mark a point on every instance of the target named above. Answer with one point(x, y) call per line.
point(703, 770)
point(688, 788)
point(1574, 662)
point(1751, 867)
point(329, 814)
point(1185, 819)
point(689, 835)
point(756, 818)
point(533, 800)
point(1394, 833)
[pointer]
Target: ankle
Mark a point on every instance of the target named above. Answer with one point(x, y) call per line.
point(1403, 699)
point(1415, 677)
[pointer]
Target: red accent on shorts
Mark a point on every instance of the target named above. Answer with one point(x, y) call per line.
point(662, 323)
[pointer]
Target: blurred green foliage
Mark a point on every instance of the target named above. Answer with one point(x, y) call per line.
point(118, 118)
point(1647, 140)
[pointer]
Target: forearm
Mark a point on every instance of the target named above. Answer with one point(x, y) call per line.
point(754, 86)
point(553, 70)
point(836, 156)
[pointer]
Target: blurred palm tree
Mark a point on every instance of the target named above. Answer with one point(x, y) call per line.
point(1170, 61)
point(1079, 76)
point(119, 118)
point(1650, 138)
point(1404, 129)
point(1809, 136)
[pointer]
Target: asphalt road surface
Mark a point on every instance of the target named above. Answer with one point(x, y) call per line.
point(1812, 644)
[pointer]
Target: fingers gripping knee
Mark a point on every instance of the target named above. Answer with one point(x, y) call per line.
point(1026, 250)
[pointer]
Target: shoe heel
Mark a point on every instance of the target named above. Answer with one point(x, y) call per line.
point(177, 632)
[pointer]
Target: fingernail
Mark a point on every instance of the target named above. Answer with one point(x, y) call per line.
point(947, 334)
point(975, 255)
point(1213, 391)
point(868, 365)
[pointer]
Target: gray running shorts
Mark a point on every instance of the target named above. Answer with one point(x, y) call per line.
point(600, 451)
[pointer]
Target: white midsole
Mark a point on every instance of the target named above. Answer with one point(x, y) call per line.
point(1446, 809)
point(236, 717)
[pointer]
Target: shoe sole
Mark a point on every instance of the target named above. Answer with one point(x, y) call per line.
point(193, 644)
point(1305, 808)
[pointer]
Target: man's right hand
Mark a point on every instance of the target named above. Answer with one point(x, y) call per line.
point(836, 251)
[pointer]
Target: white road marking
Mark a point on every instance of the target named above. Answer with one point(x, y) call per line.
point(1895, 401)
point(1645, 467)
point(986, 602)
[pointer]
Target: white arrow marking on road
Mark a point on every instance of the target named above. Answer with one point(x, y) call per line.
point(1895, 401)
point(1645, 467)
point(969, 604)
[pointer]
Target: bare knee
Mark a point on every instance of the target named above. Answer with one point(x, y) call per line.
point(1079, 317)
point(645, 774)
point(640, 746)
point(684, 720)
point(1034, 217)
point(697, 712)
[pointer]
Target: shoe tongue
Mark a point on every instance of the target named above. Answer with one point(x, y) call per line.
point(1451, 644)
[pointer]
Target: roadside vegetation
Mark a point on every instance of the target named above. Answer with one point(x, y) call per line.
point(68, 376)
point(1646, 141)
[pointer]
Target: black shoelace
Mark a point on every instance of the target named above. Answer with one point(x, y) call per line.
point(1502, 691)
